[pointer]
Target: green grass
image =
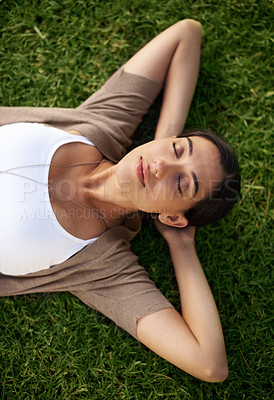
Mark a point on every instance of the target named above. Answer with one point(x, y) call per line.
point(55, 53)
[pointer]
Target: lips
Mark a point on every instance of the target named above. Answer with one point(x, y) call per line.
point(142, 169)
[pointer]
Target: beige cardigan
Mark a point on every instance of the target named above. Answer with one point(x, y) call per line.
point(105, 275)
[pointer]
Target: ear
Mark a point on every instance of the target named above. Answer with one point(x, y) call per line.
point(178, 221)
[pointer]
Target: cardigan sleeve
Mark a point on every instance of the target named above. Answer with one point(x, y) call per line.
point(108, 118)
point(105, 275)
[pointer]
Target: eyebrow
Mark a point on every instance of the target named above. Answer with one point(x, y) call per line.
point(194, 177)
point(190, 146)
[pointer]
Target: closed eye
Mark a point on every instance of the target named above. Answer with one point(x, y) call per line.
point(179, 189)
point(175, 150)
point(179, 185)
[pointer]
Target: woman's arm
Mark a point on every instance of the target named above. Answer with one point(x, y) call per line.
point(172, 58)
point(194, 340)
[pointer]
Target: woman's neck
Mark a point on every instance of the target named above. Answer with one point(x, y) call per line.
point(104, 194)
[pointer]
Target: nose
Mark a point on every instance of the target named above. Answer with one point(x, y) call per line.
point(163, 168)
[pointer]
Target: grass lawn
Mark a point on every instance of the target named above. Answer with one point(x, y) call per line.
point(54, 53)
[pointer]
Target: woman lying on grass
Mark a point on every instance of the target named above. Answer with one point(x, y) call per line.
point(71, 203)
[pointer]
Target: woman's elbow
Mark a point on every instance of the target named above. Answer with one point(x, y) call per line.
point(192, 25)
point(208, 370)
point(215, 373)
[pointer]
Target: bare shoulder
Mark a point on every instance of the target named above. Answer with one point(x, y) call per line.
point(75, 153)
point(73, 132)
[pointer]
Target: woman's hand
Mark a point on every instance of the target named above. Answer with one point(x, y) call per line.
point(182, 236)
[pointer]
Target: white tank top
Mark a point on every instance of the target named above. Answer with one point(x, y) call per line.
point(31, 238)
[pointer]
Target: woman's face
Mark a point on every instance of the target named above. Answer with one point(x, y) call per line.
point(168, 176)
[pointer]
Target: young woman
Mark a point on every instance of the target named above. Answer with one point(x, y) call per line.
point(69, 207)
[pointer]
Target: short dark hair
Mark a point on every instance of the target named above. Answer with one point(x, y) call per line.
point(222, 198)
